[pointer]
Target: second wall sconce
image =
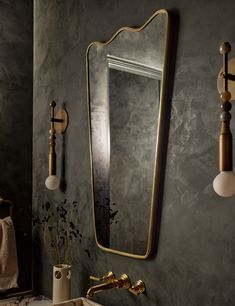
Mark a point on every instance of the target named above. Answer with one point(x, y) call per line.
point(224, 182)
point(59, 123)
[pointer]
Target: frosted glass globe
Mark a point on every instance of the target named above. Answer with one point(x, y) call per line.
point(52, 182)
point(224, 184)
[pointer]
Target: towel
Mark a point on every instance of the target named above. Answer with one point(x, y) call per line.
point(8, 255)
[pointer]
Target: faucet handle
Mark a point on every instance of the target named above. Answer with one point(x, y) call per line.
point(109, 277)
point(138, 288)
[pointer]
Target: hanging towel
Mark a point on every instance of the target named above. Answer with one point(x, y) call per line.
point(8, 255)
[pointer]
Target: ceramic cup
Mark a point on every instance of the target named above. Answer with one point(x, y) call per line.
point(61, 283)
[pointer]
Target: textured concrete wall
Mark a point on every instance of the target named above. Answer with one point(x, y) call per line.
point(16, 84)
point(195, 262)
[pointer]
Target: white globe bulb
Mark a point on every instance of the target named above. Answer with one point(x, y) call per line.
point(224, 184)
point(52, 182)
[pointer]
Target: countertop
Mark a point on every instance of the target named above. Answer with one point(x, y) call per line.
point(26, 300)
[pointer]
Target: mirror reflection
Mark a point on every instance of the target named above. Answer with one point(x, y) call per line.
point(133, 105)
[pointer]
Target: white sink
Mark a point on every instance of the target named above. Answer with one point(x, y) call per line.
point(78, 302)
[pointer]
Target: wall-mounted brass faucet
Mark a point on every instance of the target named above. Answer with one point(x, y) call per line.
point(111, 282)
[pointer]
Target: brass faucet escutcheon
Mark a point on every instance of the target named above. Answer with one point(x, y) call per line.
point(110, 282)
point(138, 288)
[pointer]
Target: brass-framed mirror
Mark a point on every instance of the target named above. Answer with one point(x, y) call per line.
point(126, 83)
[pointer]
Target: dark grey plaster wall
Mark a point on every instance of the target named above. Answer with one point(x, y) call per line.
point(195, 262)
point(16, 84)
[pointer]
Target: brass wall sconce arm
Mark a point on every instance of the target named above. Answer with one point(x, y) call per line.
point(227, 76)
point(224, 182)
point(58, 125)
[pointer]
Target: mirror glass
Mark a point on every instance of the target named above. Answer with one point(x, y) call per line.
point(125, 82)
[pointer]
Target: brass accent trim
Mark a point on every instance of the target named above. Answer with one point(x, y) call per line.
point(159, 142)
point(138, 288)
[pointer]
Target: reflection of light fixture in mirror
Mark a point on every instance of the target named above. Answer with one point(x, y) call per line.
point(58, 125)
point(224, 182)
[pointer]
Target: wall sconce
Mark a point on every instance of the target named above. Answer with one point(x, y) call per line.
point(59, 123)
point(224, 182)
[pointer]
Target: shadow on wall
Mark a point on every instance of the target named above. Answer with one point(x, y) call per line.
point(63, 184)
point(168, 91)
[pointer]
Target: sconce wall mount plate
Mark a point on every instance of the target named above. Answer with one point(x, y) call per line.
point(61, 126)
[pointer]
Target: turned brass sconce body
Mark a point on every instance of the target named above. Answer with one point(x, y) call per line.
point(224, 182)
point(58, 125)
point(225, 138)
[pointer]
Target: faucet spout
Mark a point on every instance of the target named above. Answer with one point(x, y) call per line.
point(122, 282)
point(98, 288)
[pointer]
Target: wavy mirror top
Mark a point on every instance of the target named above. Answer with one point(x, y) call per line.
point(125, 78)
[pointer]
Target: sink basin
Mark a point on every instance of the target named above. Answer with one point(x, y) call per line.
point(78, 302)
